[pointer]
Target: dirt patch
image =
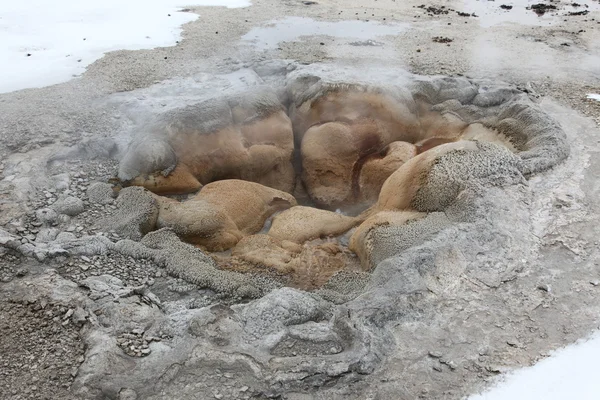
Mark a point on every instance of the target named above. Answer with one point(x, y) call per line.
point(541, 8)
point(433, 10)
point(442, 39)
point(40, 351)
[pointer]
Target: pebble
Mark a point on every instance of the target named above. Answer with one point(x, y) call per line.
point(545, 287)
point(450, 364)
point(68, 313)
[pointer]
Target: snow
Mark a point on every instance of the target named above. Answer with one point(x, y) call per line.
point(63, 37)
point(570, 373)
point(594, 96)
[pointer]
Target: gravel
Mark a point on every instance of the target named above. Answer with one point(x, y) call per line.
point(40, 350)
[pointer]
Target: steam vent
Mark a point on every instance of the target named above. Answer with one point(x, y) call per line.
point(308, 218)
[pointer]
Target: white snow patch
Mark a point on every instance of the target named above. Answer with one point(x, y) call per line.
point(594, 96)
point(62, 37)
point(570, 373)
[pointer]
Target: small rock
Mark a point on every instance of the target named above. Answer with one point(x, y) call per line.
point(595, 282)
point(46, 215)
point(65, 237)
point(450, 364)
point(100, 193)
point(68, 314)
point(69, 205)
point(545, 287)
point(127, 394)
point(435, 354)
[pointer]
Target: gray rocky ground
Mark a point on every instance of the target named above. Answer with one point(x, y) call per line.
point(99, 320)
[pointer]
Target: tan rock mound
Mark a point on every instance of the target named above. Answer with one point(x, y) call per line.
point(300, 224)
point(199, 223)
point(247, 204)
point(222, 213)
point(400, 189)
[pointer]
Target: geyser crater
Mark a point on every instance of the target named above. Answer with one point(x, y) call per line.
point(264, 169)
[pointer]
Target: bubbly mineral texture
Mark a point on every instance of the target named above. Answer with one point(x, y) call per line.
point(415, 180)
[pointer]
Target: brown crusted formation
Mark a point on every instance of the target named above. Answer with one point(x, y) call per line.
point(248, 136)
point(222, 213)
point(348, 135)
point(401, 188)
point(436, 221)
point(300, 224)
point(428, 183)
point(340, 128)
point(433, 179)
point(306, 266)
